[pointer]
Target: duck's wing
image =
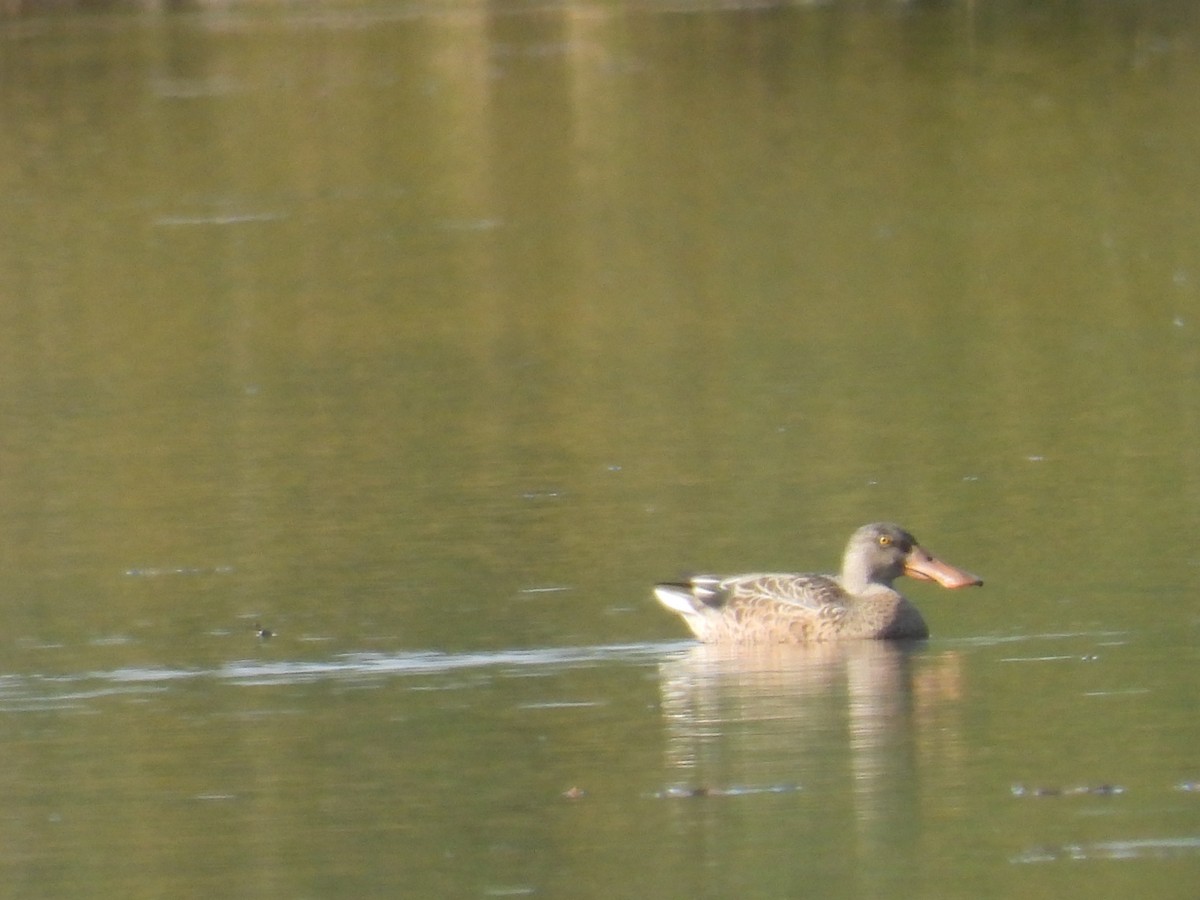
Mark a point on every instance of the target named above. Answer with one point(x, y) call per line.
point(803, 593)
point(818, 594)
point(759, 608)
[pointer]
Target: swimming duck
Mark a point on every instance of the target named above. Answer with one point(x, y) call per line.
point(798, 609)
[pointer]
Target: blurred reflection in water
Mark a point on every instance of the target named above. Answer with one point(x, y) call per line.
point(867, 722)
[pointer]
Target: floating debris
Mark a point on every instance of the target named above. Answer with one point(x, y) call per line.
point(1096, 790)
point(687, 792)
point(111, 640)
point(216, 219)
point(159, 571)
point(470, 224)
point(676, 791)
point(574, 793)
point(543, 494)
point(518, 891)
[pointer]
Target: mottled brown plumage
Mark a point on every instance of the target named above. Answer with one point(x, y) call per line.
point(801, 608)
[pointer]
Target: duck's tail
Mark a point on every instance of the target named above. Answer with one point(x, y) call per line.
point(677, 596)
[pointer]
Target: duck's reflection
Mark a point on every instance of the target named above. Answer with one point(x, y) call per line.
point(860, 722)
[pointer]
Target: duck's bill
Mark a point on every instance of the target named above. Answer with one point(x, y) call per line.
point(922, 566)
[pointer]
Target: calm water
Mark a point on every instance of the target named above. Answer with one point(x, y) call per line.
point(429, 335)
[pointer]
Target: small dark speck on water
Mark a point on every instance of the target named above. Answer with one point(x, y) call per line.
point(263, 633)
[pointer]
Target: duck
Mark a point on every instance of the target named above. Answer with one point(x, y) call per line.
point(792, 608)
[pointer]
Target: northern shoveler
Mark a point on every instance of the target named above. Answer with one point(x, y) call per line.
point(800, 608)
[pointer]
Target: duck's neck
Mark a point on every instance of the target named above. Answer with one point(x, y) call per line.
point(857, 577)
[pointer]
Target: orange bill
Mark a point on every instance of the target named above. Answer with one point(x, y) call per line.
point(921, 565)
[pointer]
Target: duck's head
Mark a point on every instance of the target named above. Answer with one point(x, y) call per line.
point(881, 552)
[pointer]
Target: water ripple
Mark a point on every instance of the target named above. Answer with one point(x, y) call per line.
point(27, 692)
point(1142, 848)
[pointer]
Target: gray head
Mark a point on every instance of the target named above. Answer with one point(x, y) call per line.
point(883, 551)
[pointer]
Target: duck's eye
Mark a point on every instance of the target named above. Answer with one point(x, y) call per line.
point(885, 540)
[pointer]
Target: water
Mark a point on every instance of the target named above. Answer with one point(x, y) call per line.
point(428, 337)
